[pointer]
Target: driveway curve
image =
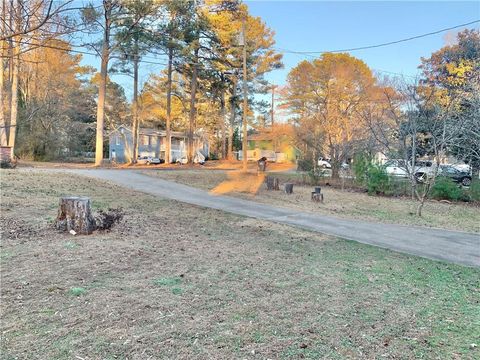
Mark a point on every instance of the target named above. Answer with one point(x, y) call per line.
point(452, 246)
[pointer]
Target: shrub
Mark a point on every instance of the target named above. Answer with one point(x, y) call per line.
point(361, 164)
point(377, 180)
point(305, 164)
point(445, 189)
point(474, 190)
point(315, 176)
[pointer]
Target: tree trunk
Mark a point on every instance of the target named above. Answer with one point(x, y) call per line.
point(135, 127)
point(420, 207)
point(14, 102)
point(102, 90)
point(168, 138)
point(74, 213)
point(222, 125)
point(14, 84)
point(3, 124)
point(193, 93)
point(335, 171)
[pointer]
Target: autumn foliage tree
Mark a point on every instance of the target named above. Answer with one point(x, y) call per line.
point(325, 96)
point(56, 105)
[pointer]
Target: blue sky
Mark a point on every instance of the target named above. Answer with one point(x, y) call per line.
point(322, 25)
point(327, 25)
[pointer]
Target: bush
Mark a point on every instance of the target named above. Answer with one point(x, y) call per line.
point(446, 189)
point(370, 175)
point(305, 164)
point(474, 191)
point(361, 164)
point(377, 180)
point(315, 176)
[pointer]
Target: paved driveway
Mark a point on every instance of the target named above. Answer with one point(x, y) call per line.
point(453, 246)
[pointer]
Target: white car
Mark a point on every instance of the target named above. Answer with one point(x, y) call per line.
point(463, 167)
point(147, 160)
point(324, 163)
point(198, 158)
point(396, 168)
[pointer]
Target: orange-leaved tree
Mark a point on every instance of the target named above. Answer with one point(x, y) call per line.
point(325, 96)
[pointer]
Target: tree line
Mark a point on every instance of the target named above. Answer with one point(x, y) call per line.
point(198, 89)
point(342, 109)
point(338, 107)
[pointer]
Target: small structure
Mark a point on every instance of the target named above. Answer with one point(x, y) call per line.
point(151, 142)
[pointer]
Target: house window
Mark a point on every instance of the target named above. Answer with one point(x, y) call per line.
point(117, 139)
point(145, 139)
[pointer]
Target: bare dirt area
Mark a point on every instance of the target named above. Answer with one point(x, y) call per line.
point(178, 281)
point(342, 203)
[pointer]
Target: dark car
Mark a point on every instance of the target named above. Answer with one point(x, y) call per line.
point(459, 176)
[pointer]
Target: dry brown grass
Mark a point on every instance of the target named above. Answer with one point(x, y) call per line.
point(346, 204)
point(179, 281)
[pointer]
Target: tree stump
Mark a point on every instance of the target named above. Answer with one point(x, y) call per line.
point(276, 184)
point(289, 188)
point(317, 195)
point(272, 183)
point(75, 214)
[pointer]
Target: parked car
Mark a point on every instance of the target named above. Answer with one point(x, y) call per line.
point(463, 167)
point(396, 168)
point(147, 160)
point(324, 163)
point(198, 158)
point(459, 176)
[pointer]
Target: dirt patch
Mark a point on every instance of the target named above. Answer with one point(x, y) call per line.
point(177, 281)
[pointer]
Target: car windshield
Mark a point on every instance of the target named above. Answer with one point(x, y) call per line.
point(449, 169)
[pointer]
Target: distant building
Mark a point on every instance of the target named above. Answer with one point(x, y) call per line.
point(152, 142)
point(276, 144)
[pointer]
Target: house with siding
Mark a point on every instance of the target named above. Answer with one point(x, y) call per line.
point(276, 144)
point(151, 142)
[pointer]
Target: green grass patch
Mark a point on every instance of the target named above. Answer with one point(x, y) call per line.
point(168, 281)
point(177, 291)
point(70, 245)
point(77, 291)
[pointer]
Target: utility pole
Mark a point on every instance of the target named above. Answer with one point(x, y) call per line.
point(272, 111)
point(245, 94)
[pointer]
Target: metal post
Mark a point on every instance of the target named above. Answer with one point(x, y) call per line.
point(245, 100)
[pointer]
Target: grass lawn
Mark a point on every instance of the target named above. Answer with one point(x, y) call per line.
point(178, 281)
point(347, 204)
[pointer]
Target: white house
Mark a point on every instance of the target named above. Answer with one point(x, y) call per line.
point(151, 142)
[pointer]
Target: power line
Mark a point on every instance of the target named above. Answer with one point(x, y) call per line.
point(79, 51)
point(383, 44)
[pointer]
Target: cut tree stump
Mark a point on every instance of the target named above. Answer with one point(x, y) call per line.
point(75, 214)
point(317, 195)
point(289, 188)
point(272, 183)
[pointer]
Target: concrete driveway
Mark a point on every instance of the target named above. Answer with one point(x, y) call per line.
point(453, 246)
